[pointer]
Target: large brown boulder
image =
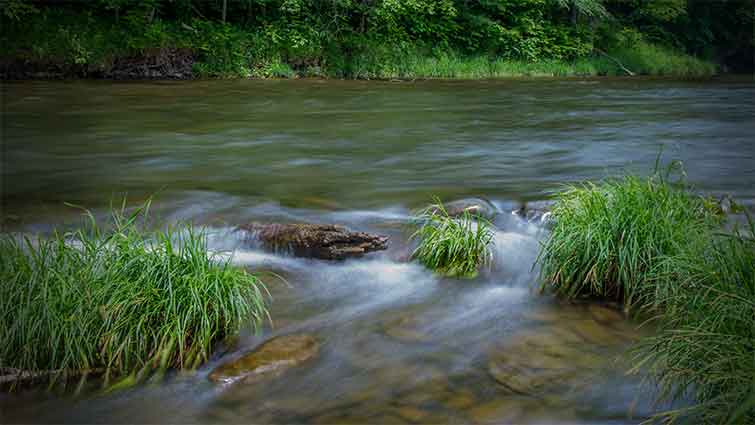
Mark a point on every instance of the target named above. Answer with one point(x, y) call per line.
point(269, 359)
point(323, 241)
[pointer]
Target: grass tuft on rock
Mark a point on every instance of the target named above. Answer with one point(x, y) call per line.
point(609, 238)
point(453, 246)
point(120, 300)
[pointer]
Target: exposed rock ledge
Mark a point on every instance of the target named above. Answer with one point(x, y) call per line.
point(323, 241)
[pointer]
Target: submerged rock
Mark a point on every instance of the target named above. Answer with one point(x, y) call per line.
point(323, 241)
point(406, 329)
point(539, 363)
point(497, 411)
point(411, 413)
point(474, 206)
point(269, 359)
point(461, 399)
point(605, 314)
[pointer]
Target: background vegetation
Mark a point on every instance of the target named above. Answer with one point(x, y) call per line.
point(118, 301)
point(380, 38)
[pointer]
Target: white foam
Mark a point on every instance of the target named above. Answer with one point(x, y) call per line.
point(373, 281)
point(514, 257)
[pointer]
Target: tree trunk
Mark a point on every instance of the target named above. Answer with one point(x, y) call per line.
point(574, 14)
point(225, 9)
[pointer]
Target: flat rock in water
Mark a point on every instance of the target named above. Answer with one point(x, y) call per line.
point(405, 328)
point(323, 241)
point(539, 363)
point(269, 359)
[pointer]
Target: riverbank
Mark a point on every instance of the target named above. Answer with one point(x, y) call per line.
point(57, 44)
point(182, 64)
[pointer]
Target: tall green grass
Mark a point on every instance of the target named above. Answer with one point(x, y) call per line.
point(453, 246)
point(645, 59)
point(706, 344)
point(650, 59)
point(119, 300)
point(660, 249)
point(414, 65)
point(608, 239)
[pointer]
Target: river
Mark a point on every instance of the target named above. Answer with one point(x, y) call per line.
point(399, 343)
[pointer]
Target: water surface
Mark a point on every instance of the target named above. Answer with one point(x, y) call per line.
point(399, 344)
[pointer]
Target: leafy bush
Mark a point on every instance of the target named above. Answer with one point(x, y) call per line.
point(121, 300)
point(609, 239)
point(452, 246)
point(223, 50)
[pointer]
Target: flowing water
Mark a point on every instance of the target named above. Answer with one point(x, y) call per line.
point(399, 343)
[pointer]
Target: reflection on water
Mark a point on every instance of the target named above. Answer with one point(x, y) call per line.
point(399, 344)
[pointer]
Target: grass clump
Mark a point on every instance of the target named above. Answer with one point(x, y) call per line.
point(453, 246)
point(658, 248)
point(609, 239)
point(120, 301)
point(706, 344)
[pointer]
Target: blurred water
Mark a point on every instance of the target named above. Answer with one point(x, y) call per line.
point(221, 145)
point(399, 343)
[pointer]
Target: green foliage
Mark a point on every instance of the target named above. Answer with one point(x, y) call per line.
point(344, 38)
point(630, 47)
point(649, 59)
point(705, 344)
point(16, 9)
point(224, 51)
point(120, 300)
point(452, 246)
point(721, 31)
point(609, 239)
point(591, 8)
